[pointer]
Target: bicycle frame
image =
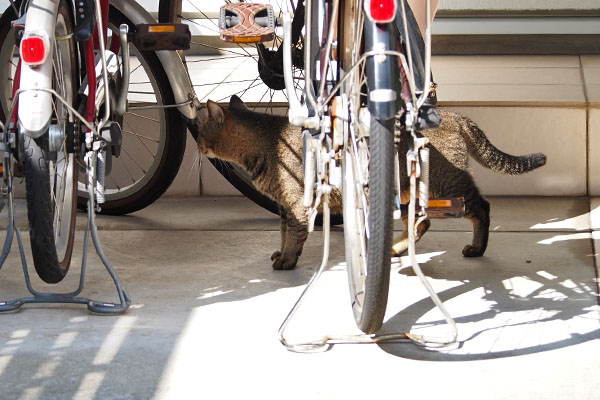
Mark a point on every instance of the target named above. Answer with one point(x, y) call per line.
point(35, 81)
point(37, 71)
point(390, 79)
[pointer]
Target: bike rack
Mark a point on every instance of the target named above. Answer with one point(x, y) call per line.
point(64, 298)
point(324, 343)
point(91, 228)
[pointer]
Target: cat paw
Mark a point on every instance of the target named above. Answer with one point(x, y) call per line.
point(282, 263)
point(399, 253)
point(470, 251)
point(400, 248)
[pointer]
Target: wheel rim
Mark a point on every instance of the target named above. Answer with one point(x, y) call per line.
point(356, 176)
point(62, 170)
point(356, 223)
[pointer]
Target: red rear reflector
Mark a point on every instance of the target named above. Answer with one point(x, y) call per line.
point(382, 11)
point(33, 50)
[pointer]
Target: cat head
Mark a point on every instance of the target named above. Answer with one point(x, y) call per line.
point(218, 133)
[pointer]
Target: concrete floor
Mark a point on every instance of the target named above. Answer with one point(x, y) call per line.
point(207, 307)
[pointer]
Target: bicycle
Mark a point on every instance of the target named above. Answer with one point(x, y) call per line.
point(62, 72)
point(66, 102)
point(359, 93)
point(162, 104)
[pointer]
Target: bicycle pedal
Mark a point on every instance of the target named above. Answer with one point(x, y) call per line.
point(247, 23)
point(154, 37)
point(451, 207)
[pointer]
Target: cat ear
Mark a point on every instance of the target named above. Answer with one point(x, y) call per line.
point(236, 102)
point(215, 111)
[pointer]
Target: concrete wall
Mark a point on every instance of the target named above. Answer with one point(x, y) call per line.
point(483, 5)
point(525, 104)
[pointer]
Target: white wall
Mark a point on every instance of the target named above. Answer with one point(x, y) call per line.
point(519, 4)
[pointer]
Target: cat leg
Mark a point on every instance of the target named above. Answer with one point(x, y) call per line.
point(401, 245)
point(283, 231)
point(295, 236)
point(479, 215)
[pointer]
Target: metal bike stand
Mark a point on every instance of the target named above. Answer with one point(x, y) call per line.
point(324, 343)
point(64, 298)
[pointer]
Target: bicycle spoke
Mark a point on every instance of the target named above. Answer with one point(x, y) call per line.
point(124, 164)
point(138, 136)
point(238, 92)
point(141, 136)
point(144, 117)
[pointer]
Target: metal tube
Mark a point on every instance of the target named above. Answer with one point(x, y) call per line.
point(104, 67)
point(121, 106)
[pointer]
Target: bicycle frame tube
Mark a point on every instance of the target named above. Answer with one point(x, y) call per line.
point(104, 14)
point(35, 107)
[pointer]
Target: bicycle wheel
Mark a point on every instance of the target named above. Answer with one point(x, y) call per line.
point(9, 57)
point(252, 72)
point(368, 172)
point(153, 137)
point(51, 174)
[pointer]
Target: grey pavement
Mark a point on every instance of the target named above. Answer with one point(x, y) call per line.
point(207, 307)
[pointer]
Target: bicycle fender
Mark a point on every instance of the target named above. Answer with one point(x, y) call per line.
point(35, 107)
point(382, 70)
point(176, 73)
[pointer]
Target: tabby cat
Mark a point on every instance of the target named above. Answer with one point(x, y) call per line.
point(270, 149)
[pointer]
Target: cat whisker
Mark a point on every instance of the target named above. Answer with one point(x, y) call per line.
point(196, 165)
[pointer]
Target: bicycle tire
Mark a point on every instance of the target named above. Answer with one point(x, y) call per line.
point(50, 181)
point(154, 180)
point(241, 180)
point(367, 187)
point(368, 256)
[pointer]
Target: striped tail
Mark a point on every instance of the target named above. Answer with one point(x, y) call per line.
point(491, 157)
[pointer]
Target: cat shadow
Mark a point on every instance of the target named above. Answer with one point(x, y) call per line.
point(526, 300)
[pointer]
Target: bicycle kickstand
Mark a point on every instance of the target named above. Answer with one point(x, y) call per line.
point(59, 298)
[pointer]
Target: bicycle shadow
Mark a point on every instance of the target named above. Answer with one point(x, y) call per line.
point(532, 292)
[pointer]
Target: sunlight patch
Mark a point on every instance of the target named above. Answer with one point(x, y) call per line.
point(213, 294)
point(563, 238)
point(547, 275)
point(46, 369)
point(404, 261)
point(89, 385)
point(21, 333)
point(114, 339)
point(577, 223)
point(65, 339)
point(520, 286)
point(4, 361)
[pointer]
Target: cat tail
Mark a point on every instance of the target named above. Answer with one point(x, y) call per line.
point(491, 157)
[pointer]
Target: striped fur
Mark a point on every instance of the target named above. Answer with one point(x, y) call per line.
point(270, 149)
